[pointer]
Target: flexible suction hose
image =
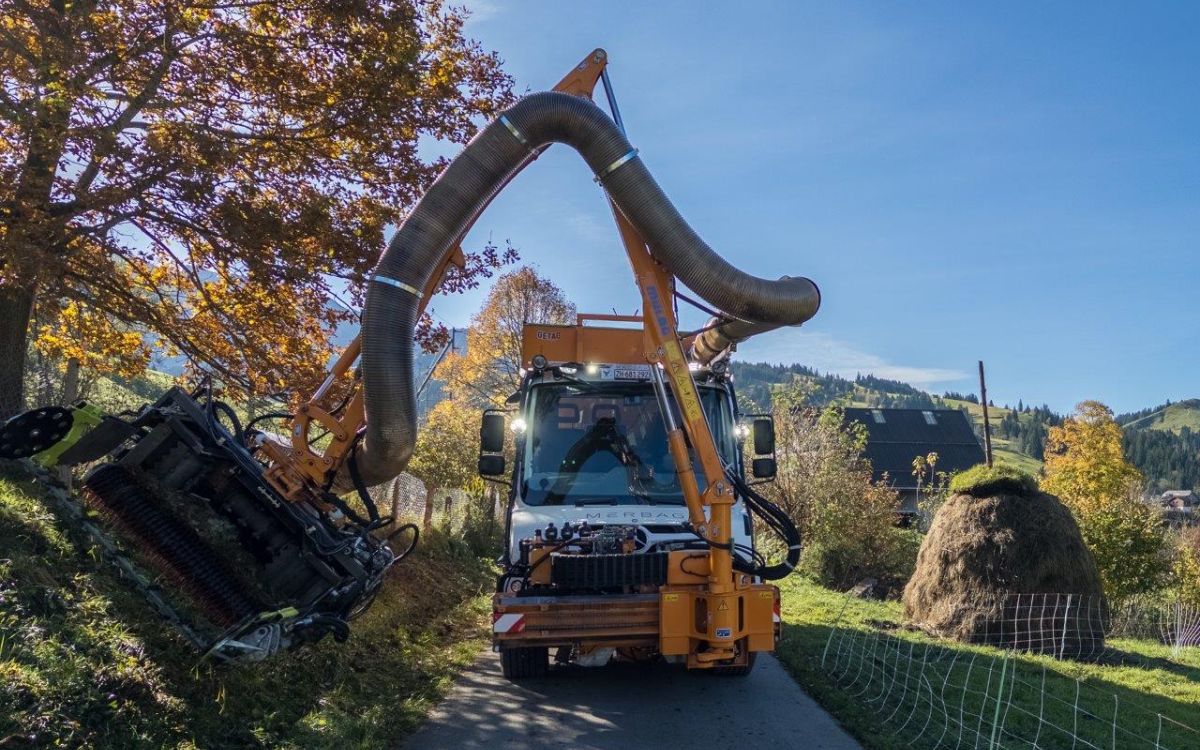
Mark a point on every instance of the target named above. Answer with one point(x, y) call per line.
point(453, 202)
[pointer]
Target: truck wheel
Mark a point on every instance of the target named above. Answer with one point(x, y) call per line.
point(524, 663)
point(736, 671)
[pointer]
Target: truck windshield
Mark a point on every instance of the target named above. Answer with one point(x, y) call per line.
point(606, 443)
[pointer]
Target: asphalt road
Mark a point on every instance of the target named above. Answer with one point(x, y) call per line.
point(627, 707)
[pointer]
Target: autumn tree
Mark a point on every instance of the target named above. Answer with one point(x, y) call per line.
point(1186, 565)
point(97, 345)
point(1087, 470)
point(445, 456)
point(490, 369)
point(216, 172)
point(847, 522)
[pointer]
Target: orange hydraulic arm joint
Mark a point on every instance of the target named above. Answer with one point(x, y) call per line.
point(297, 469)
point(665, 353)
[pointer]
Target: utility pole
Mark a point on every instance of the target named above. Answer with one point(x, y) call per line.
point(987, 427)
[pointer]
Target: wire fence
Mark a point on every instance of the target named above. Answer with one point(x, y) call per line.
point(1173, 623)
point(936, 697)
point(1069, 626)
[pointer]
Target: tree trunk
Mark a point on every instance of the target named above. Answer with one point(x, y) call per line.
point(427, 521)
point(492, 500)
point(16, 309)
point(397, 498)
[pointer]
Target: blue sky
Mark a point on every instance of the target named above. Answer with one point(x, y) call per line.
point(1018, 183)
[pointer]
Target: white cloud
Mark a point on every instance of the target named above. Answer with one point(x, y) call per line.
point(828, 354)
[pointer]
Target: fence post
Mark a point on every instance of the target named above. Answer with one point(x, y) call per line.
point(999, 698)
point(1116, 710)
point(1075, 717)
point(1177, 646)
point(1062, 647)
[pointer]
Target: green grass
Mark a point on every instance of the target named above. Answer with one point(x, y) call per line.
point(1171, 419)
point(113, 393)
point(1003, 451)
point(988, 481)
point(85, 663)
point(1143, 677)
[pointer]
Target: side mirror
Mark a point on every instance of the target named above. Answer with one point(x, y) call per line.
point(764, 437)
point(763, 468)
point(492, 466)
point(491, 433)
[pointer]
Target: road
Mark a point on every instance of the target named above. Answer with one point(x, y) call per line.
point(628, 707)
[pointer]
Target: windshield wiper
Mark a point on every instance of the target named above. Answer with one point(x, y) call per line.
point(584, 385)
point(595, 501)
point(643, 495)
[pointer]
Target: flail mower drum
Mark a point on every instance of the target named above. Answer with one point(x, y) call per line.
point(181, 486)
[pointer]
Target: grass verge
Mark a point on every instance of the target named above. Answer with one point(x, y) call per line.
point(85, 663)
point(1140, 673)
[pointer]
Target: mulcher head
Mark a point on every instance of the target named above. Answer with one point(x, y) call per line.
point(252, 571)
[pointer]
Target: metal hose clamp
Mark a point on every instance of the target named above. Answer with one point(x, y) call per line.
point(398, 284)
point(513, 129)
point(616, 164)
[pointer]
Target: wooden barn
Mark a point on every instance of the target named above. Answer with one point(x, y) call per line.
point(897, 436)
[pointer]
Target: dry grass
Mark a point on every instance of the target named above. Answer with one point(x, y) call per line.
point(981, 549)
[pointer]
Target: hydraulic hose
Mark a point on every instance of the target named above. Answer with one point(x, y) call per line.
point(780, 523)
point(465, 188)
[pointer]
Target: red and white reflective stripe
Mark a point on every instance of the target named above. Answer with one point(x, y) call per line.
point(775, 615)
point(508, 623)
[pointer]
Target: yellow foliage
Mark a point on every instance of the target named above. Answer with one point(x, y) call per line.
point(1087, 470)
point(1186, 570)
point(448, 446)
point(1085, 463)
point(491, 367)
point(95, 340)
point(216, 175)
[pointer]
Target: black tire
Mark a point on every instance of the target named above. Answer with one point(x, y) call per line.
point(524, 663)
point(741, 671)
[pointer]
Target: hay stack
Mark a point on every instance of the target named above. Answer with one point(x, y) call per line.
point(995, 537)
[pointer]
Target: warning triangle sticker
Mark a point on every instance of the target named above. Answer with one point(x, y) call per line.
point(724, 606)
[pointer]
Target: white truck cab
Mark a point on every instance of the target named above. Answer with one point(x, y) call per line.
point(592, 448)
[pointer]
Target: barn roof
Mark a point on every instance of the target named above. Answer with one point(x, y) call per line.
point(896, 436)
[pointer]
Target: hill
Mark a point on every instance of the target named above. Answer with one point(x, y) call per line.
point(756, 380)
point(84, 662)
point(1170, 417)
point(1163, 442)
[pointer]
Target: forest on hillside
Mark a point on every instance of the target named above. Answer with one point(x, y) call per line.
point(1168, 458)
point(755, 381)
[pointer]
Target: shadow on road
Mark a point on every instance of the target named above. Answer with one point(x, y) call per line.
point(628, 706)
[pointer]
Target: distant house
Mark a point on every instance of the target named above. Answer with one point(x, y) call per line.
point(897, 436)
point(1184, 500)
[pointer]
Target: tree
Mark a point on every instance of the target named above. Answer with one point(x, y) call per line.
point(1186, 569)
point(1087, 470)
point(446, 450)
point(1085, 465)
point(490, 369)
point(218, 171)
point(847, 522)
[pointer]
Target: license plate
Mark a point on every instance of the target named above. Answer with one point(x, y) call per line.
point(640, 372)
